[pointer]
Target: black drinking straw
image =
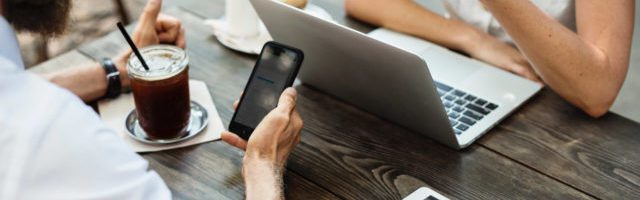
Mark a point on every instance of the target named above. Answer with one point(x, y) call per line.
point(133, 46)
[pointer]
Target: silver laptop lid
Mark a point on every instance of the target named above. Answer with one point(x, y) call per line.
point(382, 79)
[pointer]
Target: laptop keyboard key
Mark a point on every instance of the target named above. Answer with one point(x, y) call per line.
point(478, 109)
point(448, 104)
point(462, 127)
point(458, 109)
point(470, 98)
point(453, 122)
point(461, 102)
point(454, 115)
point(467, 121)
point(459, 93)
point(481, 102)
point(450, 98)
point(441, 93)
point(443, 86)
point(491, 106)
point(458, 132)
point(472, 115)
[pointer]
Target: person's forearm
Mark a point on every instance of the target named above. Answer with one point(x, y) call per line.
point(263, 179)
point(89, 82)
point(576, 68)
point(409, 17)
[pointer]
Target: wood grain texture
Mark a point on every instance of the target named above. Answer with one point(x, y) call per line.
point(359, 156)
point(599, 156)
point(212, 171)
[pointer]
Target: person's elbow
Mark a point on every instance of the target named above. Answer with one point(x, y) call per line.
point(596, 101)
point(350, 6)
point(357, 8)
point(599, 106)
point(365, 10)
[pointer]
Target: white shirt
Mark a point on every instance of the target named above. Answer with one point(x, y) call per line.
point(474, 13)
point(53, 146)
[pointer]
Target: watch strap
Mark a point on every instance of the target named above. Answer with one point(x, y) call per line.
point(114, 87)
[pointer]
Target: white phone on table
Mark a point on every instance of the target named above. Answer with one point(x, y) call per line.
point(424, 193)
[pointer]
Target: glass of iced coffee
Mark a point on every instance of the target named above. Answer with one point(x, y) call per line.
point(161, 94)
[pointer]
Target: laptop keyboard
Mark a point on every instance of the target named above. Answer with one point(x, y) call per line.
point(464, 109)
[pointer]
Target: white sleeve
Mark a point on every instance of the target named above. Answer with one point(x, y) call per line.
point(74, 156)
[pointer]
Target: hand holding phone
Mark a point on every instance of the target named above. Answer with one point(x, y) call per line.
point(275, 70)
point(281, 127)
point(269, 147)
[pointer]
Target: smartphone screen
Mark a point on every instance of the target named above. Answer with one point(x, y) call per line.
point(275, 70)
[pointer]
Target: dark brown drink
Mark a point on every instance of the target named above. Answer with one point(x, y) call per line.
point(161, 94)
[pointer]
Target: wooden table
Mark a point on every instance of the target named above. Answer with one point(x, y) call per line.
point(548, 149)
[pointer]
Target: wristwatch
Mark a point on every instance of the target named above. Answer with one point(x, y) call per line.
point(114, 87)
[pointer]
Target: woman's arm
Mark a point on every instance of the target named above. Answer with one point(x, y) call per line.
point(588, 67)
point(411, 18)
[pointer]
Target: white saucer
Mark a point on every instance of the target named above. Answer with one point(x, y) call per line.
point(253, 45)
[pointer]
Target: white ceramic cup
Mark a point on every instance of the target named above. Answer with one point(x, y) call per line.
point(242, 20)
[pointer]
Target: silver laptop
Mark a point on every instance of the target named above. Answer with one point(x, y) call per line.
point(453, 99)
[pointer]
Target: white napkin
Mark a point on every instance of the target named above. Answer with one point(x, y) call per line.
point(114, 113)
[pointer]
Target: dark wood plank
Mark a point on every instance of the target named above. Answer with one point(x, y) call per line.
point(359, 156)
point(298, 187)
point(212, 170)
point(598, 156)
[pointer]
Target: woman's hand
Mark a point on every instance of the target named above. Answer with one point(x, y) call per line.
point(488, 49)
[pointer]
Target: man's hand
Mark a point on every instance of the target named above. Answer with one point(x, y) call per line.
point(268, 148)
point(154, 28)
point(277, 134)
point(489, 49)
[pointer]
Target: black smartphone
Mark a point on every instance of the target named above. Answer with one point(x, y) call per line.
point(275, 71)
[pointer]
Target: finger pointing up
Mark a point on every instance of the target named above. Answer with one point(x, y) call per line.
point(150, 13)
